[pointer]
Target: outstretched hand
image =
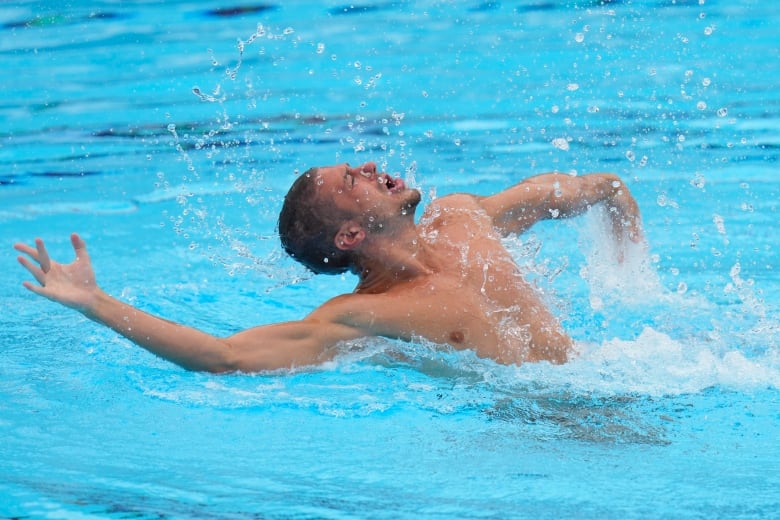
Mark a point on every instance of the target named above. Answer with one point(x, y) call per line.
point(72, 285)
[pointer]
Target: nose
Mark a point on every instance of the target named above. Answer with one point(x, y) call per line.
point(368, 169)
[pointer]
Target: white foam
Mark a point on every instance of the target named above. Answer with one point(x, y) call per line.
point(656, 364)
point(685, 345)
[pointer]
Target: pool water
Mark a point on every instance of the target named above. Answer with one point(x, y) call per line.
point(167, 134)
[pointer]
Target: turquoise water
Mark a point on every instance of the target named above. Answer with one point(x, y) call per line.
point(167, 135)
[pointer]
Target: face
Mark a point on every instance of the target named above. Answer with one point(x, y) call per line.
point(371, 196)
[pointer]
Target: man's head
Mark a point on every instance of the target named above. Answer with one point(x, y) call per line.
point(328, 213)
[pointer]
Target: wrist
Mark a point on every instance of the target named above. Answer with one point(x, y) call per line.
point(96, 301)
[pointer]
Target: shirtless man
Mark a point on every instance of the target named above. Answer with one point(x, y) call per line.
point(447, 279)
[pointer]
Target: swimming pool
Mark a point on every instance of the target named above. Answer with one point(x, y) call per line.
point(145, 128)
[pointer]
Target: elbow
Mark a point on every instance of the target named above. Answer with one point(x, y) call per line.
point(223, 359)
point(227, 360)
point(239, 358)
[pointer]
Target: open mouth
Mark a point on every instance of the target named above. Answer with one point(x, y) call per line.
point(392, 185)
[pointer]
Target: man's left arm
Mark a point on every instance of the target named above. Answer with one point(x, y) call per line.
point(558, 195)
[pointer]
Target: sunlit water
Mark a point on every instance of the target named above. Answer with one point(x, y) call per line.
point(168, 134)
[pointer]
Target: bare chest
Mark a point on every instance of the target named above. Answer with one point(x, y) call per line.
point(477, 298)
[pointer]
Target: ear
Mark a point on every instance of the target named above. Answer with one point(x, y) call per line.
point(349, 236)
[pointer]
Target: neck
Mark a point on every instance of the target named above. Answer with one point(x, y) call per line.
point(389, 259)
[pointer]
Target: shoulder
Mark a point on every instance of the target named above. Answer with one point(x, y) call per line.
point(371, 314)
point(456, 201)
point(453, 205)
point(458, 209)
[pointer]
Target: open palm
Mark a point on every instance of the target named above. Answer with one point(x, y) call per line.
point(72, 285)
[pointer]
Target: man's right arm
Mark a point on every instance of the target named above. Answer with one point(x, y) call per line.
point(268, 347)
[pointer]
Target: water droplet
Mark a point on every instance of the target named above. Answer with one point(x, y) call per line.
point(701, 105)
point(722, 112)
point(579, 37)
point(561, 143)
point(698, 181)
point(320, 48)
point(719, 224)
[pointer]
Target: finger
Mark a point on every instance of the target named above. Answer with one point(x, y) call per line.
point(37, 289)
point(43, 255)
point(36, 271)
point(24, 248)
point(79, 246)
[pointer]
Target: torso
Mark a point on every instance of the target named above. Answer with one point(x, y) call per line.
point(476, 299)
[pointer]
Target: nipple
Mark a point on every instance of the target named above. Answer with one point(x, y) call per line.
point(457, 336)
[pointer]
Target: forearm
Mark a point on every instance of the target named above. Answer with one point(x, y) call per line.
point(622, 208)
point(558, 195)
point(564, 196)
point(187, 347)
point(573, 196)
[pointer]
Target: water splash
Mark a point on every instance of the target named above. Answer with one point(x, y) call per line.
point(224, 195)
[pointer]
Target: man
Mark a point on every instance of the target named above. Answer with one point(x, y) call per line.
point(447, 279)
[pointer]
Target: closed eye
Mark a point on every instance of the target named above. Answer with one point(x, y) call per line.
point(349, 179)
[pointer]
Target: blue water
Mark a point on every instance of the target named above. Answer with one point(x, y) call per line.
point(167, 136)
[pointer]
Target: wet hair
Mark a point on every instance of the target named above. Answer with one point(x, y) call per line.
point(308, 226)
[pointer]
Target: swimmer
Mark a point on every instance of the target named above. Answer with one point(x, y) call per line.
point(447, 278)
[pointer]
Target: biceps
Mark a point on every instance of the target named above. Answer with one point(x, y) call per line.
point(516, 209)
point(286, 345)
point(546, 196)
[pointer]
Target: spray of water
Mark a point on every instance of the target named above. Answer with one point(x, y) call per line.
point(227, 202)
point(653, 349)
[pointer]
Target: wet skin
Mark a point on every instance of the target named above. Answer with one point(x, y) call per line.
point(447, 279)
point(451, 282)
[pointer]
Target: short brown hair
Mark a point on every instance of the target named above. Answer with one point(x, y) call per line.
point(308, 226)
